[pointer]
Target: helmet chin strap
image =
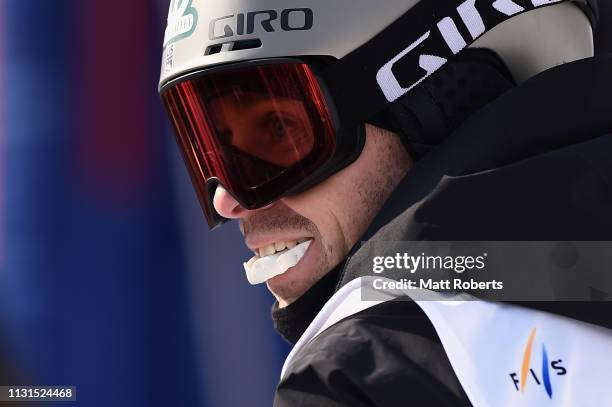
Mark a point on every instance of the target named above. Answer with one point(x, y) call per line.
point(424, 117)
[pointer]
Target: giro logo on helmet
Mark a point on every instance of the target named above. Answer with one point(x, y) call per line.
point(477, 16)
point(291, 19)
point(182, 21)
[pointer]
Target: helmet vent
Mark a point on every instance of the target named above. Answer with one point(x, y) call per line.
point(233, 46)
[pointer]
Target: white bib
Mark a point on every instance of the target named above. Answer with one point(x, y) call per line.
point(502, 354)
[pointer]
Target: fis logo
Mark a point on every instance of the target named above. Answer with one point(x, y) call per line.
point(540, 375)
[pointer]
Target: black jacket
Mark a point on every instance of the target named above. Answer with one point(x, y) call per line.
point(535, 164)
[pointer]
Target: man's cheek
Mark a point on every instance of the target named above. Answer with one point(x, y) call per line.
point(305, 204)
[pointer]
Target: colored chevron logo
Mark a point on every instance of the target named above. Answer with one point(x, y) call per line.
point(547, 368)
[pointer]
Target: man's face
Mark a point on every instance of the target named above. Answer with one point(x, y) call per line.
point(284, 133)
point(334, 213)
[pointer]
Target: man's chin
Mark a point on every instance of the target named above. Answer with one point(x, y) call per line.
point(294, 282)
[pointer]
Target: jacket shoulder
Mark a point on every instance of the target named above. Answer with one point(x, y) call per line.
point(386, 355)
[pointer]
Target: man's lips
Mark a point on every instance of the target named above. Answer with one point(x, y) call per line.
point(254, 243)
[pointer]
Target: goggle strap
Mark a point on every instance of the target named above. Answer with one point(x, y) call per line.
point(414, 47)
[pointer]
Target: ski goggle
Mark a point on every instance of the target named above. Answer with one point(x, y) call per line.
point(262, 130)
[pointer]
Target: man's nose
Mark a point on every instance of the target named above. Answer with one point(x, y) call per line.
point(226, 205)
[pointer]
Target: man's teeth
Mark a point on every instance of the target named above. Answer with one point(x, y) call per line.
point(277, 247)
point(260, 269)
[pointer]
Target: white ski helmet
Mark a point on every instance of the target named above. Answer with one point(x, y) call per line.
point(322, 69)
point(205, 33)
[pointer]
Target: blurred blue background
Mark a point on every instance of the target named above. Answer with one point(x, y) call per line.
point(109, 279)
